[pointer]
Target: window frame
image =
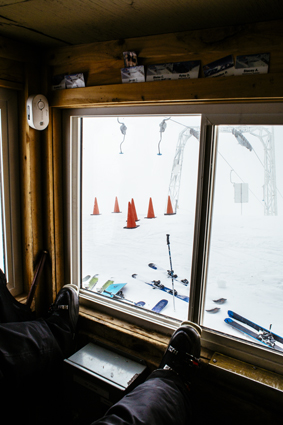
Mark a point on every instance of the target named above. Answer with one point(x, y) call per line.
point(212, 115)
point(11, 190)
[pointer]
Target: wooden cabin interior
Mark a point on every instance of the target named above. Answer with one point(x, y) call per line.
point(41, 39)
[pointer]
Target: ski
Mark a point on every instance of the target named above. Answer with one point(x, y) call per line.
point(114, 289)
point(267, 342)
point(105, 286)
point(169, 274)
point(86, 278)
point(213, 310)
point(220, 301)
point(93, 281)
point(158, 285)
point(159, 306)
point(262, 331)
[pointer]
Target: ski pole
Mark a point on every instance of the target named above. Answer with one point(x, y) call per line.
point(172, 272)
point(36, 278)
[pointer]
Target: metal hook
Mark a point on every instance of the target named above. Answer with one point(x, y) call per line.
point(162, 126)
point(123, 129)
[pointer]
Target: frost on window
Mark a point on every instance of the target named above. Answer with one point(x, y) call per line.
point(139, 179)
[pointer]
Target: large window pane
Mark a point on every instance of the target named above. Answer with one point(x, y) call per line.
point(132, 165)
point(2, 251)
point(245, 264)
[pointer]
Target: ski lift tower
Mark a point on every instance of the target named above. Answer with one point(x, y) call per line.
point(176, 173)
point(266, 136)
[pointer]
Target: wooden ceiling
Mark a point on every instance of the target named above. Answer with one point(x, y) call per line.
point(51, 23)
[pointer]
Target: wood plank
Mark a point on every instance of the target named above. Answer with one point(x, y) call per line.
point(31, 189)
point(203, 90)
point(11, 70)
point(11, 85)
point(101, 62)
point(20, 52)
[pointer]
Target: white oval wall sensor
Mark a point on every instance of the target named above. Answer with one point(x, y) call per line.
point(38, 112)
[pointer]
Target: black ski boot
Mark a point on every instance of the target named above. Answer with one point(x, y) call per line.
point(62, 318)
point(66, 306)
point(183, 352)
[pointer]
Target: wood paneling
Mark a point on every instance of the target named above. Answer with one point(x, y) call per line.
point(101, 62)
point(13, 57)
point(65, 22)
point(31, 185)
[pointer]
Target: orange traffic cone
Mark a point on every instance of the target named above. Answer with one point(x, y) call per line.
point(95, 208)
point(131, 223)
point(169, 207)
point(134, 211)
point(116, 206)
point(150, 213)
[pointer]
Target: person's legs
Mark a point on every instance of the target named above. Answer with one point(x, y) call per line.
point(31, 346)
point(26, 348)
point(163, 399)
point(10, 309)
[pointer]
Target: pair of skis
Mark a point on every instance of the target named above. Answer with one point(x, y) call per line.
point(115, 291)
point(156, 284)
point(169, 273)
point(255, 331)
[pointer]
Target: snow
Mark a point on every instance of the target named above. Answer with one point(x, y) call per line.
point(245, 261)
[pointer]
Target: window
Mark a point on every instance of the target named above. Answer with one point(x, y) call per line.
point(245, 262)
point(10, 255)
point(224, 233)
point(138, 186)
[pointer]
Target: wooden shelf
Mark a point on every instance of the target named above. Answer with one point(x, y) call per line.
point(260, 87)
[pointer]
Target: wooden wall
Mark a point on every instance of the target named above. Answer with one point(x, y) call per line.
point(41, 152)
point(101, 64)
point(25, 69)
point(20, 71)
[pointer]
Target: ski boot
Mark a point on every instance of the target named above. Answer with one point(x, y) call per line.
point(183, 352)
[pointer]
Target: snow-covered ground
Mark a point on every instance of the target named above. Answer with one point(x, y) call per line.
point(245, 268)
point(245, 263)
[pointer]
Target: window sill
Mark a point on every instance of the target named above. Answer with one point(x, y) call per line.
point(132, 339)
point(150, 346)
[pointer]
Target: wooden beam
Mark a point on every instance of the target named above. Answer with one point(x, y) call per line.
point(11, 85)
point(53, 200)
point(261, 87)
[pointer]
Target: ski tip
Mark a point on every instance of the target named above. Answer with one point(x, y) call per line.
point(220, 301)
point(230, 313)
point(160, 306)
point(134, 275)
point(213, 310)
point(87, 277)
point(152, 265)
point(228, 320)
